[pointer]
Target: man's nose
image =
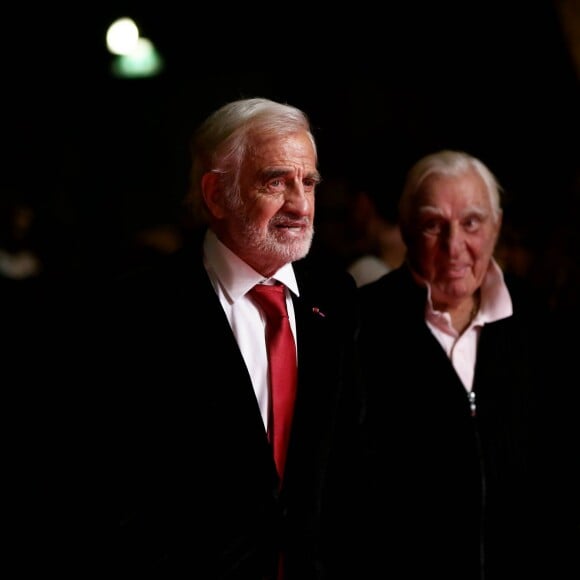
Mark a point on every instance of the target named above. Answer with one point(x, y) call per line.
point(455, 238)
point(297, 198)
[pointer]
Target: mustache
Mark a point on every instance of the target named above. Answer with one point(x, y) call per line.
point(290, 221)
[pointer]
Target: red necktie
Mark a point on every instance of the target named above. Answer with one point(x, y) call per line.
point(282, 367)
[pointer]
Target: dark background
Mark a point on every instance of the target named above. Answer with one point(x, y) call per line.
point(102, 159)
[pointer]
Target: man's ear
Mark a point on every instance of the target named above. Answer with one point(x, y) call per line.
point(211, 190)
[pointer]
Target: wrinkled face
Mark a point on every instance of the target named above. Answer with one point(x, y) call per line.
point(453, 236)
point(273, 224)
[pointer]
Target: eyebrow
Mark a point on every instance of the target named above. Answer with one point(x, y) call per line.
point(472, 209)
point(270, 173)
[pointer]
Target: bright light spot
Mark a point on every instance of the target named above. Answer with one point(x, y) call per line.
point(122, 36)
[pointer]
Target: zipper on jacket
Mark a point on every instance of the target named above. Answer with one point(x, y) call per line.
point(472, 405)
point(473, 409)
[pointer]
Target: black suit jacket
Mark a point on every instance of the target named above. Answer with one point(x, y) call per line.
point(199, 489)
point(465, 497)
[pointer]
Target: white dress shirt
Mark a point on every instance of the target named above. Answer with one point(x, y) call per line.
point(232, 278)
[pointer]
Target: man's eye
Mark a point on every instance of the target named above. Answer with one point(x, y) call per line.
point(275, 185)
point(431, 227)
point(471, 223)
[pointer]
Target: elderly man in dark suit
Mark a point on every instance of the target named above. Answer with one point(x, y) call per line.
point(202, 494)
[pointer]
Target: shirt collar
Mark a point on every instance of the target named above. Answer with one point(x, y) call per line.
point(496, 302)
point(235, 276)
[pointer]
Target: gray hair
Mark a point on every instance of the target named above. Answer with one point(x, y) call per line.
point(223, 140)
point(446, 162)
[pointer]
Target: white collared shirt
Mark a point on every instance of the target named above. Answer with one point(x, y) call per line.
point(232, 279)
point(461, 349)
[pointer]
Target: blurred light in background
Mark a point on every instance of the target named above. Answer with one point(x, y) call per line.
point(135, 56)
point(122, 36)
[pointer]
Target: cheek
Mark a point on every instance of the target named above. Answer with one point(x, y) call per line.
point(263, 210)
point(481, 248)
point(428, 256)
point(428, 248)
point(481, 254)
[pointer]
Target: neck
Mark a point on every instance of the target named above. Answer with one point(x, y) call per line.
point(462, 316)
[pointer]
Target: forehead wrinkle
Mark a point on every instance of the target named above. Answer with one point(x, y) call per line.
point(299, 171)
